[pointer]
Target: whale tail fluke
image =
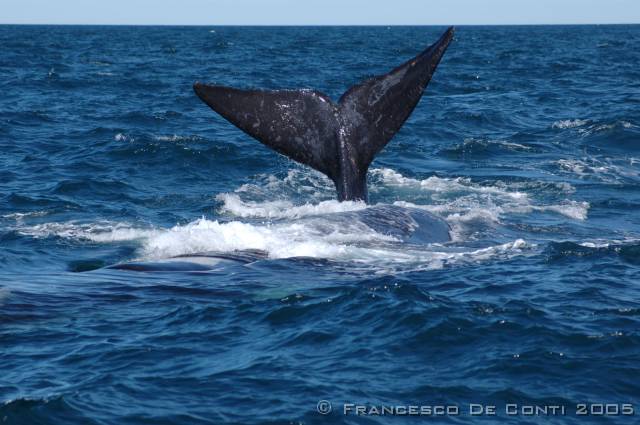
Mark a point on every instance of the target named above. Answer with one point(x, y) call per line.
point(339, 140)
point(295, 123)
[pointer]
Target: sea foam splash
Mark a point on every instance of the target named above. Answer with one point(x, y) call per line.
point(608, 170)
point(283, 208)
point(459, 199)
point(455, 198)
point(565, 124)
point(284, 229)
point(315, 238)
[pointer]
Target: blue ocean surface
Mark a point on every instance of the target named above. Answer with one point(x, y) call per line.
point(527, 142)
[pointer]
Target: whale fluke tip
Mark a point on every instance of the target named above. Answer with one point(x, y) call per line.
point(451, 31)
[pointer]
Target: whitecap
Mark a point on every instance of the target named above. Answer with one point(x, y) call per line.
point(121, 137)
point(572, 209)
point(565, 124)
point(603, 169)
point(172, 138)
point(443, 185)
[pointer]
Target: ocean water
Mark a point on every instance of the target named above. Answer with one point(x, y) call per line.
point(527, 143)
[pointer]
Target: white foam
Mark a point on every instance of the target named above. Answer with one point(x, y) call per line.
point(429, 260)
point(352, 243)
point(572, 209)
point(467, 206)
point(460, 200)
point(514, 146)
point(579, 167)
point(437, 184)
point(595, 244)
point(310, 184)
point(603, 169)
point(283, 209)
point(564, 124)
point(279, 241)
point(606, 243)
point(121, 137)
point(595, 128)
point(172, 138)
point(103, 231)
point(315, 237)
point(470, 142)
point(284, 229)
point(21, 216)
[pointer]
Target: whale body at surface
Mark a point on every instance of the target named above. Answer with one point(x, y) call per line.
point(338, 139)
point(403, 226)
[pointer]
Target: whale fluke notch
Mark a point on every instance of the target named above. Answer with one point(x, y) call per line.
point(339, 140)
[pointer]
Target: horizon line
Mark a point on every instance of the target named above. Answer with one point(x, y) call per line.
point(321, 25)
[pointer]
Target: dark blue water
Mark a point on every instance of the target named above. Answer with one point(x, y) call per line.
point(527, 143)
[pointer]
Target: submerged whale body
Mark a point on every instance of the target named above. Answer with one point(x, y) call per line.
point(410, 226)
point(338, 139)
point(406, 225)
point(199, 262)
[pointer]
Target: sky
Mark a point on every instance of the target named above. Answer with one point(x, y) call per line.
point(318, 12)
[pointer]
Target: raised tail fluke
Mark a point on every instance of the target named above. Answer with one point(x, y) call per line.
point(339, 140)
point(378, 107)
point(297, 124)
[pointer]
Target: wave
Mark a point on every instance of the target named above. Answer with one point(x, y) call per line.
point(18, 216)
point(101, 231)
point(602, 127)
point(607, 170)
point(619, 137)
point(626, 249)
point(616, 134)
point(460, 198)
point(442, 185)
point(485, 148)
point(298, 182)
point(39, 410)
point(4, 294)
point(565, 124)
point(124, 137)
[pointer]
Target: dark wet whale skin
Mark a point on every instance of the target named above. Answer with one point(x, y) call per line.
point(339, 140)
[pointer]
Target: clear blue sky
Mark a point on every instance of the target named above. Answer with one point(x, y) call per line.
point(318, 12)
